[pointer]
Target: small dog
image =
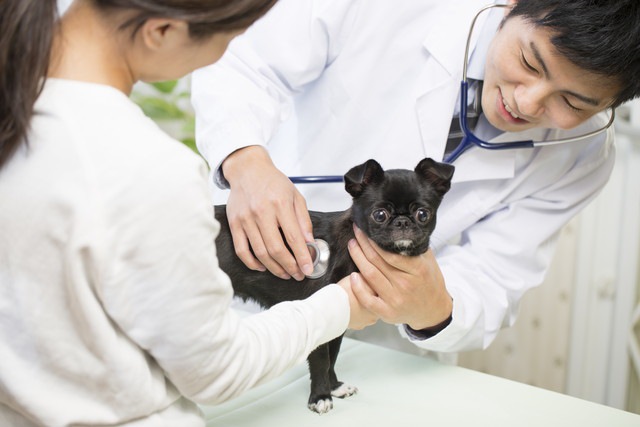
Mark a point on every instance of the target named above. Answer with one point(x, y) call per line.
point(396, 209)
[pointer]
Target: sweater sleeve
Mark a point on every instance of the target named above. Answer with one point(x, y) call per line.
point(164, 289)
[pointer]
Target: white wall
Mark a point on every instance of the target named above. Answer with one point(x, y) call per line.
point(536, 349)
point(575, 334)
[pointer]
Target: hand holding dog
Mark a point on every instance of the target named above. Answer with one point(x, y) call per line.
point(360, 316)
point(399, 289)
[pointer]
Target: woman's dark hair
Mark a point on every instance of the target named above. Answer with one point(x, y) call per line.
point(205, 17)
point(27, 28)
point(26, 32)
point(599, 36)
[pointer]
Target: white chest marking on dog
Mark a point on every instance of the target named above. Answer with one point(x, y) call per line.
point(403, 244)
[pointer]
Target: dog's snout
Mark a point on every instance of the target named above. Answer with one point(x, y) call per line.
point(402, 222)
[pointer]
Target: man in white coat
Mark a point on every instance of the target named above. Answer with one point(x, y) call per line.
point(318, 86)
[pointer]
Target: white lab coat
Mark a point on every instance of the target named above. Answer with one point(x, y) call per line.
point(328, 84)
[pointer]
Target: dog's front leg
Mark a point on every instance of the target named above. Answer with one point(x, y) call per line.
point(320, 400)
point(338, 388)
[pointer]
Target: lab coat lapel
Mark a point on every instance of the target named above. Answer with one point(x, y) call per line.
point(435, 103)
point(441, 76)
point(447, 39)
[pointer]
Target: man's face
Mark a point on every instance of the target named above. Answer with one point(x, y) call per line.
point(528, 84)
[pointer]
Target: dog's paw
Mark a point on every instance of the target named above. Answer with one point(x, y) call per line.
point(344, 390)
point(321, 406)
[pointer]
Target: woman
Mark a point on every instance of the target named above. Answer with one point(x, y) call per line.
point(113, 310)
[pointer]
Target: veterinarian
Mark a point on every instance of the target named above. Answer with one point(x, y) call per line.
point(113, 310)
point(316, 87)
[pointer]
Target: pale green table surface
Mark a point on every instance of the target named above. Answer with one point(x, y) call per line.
point(398, 389)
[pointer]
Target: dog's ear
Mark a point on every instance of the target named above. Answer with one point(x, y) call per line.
point(437, 174)
point(359, 177)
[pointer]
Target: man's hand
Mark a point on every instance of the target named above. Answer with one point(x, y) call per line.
point(263, 207)
point(399, 289)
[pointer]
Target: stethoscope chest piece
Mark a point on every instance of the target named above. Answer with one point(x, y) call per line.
point(320, 253)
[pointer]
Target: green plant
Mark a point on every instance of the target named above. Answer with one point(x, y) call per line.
point(167, 103)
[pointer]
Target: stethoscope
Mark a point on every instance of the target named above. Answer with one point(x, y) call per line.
point(469, 139)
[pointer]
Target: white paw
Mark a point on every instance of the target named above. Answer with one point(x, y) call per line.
point(322, 406)
point(345, 390)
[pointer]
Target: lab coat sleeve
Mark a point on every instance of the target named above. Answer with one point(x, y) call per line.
point(165, 291)
point(242, 99)
point(508, 252)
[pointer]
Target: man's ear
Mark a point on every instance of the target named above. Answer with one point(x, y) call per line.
point(359, 177)
point(159, 33)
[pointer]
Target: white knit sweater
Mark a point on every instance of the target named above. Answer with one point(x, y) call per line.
point(112, 307)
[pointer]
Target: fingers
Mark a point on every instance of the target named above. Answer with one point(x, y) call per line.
point(241, 245)
point(290, 218)
point(302, 214)
point(272, 237)
point(266, 213)
point(378, 290)
point(271, 250)
point(386, 261)
point(371, 265)
point(360, 317)
point(263, 228)
point(393, 294)
point(365, 295)
point(306, 228)
point(254, 247)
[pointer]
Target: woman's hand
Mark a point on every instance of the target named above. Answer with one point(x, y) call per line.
point(360, 316)
point(263, 207)
point(397, 288)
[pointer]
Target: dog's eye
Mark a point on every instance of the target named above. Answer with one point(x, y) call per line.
point(380, 215)
point(423, 215)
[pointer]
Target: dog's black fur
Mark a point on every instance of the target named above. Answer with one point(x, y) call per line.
point(396, 209)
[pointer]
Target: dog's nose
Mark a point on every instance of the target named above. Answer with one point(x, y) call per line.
point(401, 222)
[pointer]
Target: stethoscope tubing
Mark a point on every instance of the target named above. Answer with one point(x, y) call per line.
point(316, 179)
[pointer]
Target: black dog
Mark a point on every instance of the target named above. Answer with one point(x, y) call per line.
point(396, 209)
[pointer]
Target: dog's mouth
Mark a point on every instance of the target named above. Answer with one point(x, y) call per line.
point(403, 244)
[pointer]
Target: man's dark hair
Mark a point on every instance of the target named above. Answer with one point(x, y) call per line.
point(599, 36)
